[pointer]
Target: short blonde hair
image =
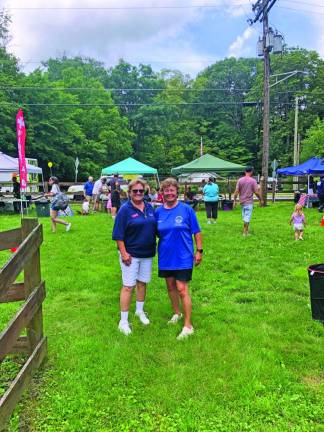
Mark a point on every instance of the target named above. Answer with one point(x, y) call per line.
point(136, 181)
point(170, 181)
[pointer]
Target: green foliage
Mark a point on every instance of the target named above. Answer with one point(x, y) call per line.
point(75, 107)
point(313, 144)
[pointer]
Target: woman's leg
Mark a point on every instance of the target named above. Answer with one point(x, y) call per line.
point(183, 290)
point(173, 294)
point(125, 298)
point(214, 210)
point(55, 220)
point(53, 215)
point(208, 211)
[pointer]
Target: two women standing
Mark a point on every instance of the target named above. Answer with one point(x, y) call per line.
point(135, 228)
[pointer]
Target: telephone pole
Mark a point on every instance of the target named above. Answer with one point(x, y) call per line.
point(261, 9)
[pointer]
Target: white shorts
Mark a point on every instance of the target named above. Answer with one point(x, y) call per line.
point(298, 226)
point(140, 270)
point(247, 212)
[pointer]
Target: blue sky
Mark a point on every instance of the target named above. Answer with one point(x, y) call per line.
point(155, 31)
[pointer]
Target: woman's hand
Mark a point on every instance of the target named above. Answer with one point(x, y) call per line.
point(198, 258)
point(126, 258)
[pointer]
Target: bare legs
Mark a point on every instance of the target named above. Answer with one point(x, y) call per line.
point(180, 290)
point(55, 220)
point(246, 228)
point(126, 295)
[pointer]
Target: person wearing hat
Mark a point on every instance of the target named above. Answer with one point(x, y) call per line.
point(211, 197)
point(320, 193)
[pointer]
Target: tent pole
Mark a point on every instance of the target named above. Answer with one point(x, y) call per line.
point(307, 184)
point(157, 180)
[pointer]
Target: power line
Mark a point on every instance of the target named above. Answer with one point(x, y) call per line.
point(301, 10)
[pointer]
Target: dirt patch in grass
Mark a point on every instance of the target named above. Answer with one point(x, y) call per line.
point(314, 381)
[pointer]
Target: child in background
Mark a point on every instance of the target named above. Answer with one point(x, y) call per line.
point(85, 207)
point(299, 221)
point(109, 203)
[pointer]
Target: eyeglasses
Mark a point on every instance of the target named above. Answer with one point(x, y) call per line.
point(138, 191)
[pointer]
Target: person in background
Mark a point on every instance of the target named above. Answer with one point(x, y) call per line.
point(115, 195)
point(153, 195)
point(190, 199)
point(299, 221)
point(134, 232)
point(160, 197)
point(245, 188)
point(55, 190)
point(16, 193)
point(88, 188)
point(97, 191)
point(320, 194)
point(176, 224)
point(211, 197)
point(85, 207)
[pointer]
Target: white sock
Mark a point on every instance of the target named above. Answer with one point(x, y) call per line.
point(124, 316)
point(139, 306)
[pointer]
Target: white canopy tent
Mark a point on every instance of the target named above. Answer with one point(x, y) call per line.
point(10, 165)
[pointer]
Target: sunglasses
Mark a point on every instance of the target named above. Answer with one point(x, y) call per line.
point(138, 191)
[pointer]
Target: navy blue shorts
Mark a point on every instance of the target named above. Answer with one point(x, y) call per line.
point(183, 275)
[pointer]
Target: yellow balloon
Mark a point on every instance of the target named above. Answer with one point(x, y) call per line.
point(50, 164)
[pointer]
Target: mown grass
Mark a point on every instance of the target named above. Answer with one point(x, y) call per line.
point(255, 363)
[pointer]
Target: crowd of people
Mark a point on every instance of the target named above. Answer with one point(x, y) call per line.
point(142, 215)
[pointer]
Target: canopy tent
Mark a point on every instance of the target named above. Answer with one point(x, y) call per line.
point(129, 166)
point(312, 166)
point(9, 164)
point(208, 163)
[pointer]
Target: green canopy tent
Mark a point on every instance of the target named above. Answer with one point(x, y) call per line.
point(130, 166)
point(211, 164)
point(208, 163)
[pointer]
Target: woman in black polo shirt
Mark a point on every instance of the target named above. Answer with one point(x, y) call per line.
point(134, 231)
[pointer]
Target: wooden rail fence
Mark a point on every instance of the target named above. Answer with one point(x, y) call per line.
point(32, 291)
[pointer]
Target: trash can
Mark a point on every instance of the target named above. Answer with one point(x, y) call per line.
point(227, 205)
point(316, 284)
point(42, 208)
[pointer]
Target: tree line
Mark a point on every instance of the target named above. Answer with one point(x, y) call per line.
point(76, 107)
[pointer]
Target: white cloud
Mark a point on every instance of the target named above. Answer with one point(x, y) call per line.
point(240, 47)
point(145, 35)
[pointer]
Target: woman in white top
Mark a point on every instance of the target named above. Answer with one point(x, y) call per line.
point(55, 190)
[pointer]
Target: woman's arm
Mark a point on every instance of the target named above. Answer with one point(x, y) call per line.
point(198, 241)
point(125, 256)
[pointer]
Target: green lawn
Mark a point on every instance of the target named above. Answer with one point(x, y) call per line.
point(255, 362)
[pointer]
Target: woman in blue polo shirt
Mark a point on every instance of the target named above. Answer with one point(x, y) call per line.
point(176, 224)
point(134, 231)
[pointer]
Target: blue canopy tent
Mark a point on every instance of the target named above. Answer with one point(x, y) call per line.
point(312, 166)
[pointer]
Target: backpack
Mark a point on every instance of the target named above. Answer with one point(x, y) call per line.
point(60, 201)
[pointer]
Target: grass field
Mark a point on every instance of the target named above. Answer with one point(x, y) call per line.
point(255, 362)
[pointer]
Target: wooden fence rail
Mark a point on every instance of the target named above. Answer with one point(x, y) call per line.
point(32, 290)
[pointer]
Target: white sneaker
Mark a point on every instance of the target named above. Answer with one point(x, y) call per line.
point(123, 326)
point(67, 227)
point(142, 317)
point(185, 332)
point(175, 318)
point(209, 222)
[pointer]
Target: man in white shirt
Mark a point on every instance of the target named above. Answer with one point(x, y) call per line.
point(97, 190)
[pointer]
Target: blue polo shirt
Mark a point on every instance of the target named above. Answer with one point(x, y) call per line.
point(136, 229)
point(88, 188)
point(175, 228)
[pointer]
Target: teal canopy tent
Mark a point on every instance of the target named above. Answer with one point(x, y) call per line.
point(208, 163)
point(129, 166)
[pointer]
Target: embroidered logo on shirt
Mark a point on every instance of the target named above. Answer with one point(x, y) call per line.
point(178, 220)
point(135, 215)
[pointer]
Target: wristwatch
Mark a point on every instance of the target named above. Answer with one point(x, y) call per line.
point(200, 250)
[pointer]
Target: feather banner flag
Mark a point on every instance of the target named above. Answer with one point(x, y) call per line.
point(21, 138)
